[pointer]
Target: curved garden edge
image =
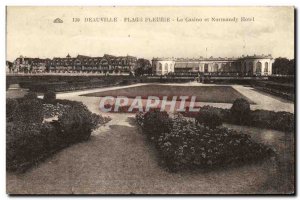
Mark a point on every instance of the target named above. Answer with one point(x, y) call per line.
point(38, 128)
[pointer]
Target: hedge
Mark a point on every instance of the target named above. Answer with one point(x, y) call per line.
point(72, 85)
point(281, 121)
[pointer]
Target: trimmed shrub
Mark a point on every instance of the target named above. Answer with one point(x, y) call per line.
point(11, 105)
point(49, 96)
point(208, 117)
point(282, 121)
point(52, 133)
point(156, 122)
point(24, 144)
point(71, 85)
point(29, 140)
point(240, 111)
point(77, 123)
point(29, 111)
point(30, 95)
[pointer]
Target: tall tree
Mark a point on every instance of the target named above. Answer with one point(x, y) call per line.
point(143, 67)
point(283, 66)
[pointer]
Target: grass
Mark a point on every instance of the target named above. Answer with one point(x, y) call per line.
point(213, 94)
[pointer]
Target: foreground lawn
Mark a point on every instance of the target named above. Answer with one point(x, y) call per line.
point(214, 94)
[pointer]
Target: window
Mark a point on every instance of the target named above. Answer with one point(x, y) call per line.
point(258, 68)
point(266, 66)
point(160, 66)
point(166, 67)
point(250, 69)
point(205, 68)
point(215, 67)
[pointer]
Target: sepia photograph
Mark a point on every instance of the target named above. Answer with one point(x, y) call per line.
point(150, 100)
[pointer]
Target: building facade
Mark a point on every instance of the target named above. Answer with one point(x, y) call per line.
point(163, 66)
point(79, 64)
point(256, 65)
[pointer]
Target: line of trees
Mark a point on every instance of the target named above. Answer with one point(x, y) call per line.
point(284, 66)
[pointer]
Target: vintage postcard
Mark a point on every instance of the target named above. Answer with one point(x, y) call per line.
point(150, 100)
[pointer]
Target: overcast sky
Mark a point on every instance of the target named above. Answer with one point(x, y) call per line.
point(32, 33)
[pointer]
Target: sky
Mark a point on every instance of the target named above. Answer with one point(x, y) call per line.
point(31, 32)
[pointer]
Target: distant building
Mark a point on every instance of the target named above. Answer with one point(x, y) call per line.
point(24, 64)
point(163, 66)
point(256, 65)
point(81, 63)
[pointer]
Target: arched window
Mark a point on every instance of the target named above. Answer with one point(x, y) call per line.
point(258, 68)
point(166, 67)
point(222, 68)
point(215, 67)
point(266, 66)
point(205, 68)
point(160, 66)
point(227, 67)
point(250, 69)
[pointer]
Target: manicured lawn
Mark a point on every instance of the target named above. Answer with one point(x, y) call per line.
point(213, 94)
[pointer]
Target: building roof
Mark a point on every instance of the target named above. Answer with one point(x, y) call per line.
point(258, 56)
point(214, 58)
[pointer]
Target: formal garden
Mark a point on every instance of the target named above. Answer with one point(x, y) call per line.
point(37, 128)
point(198, 140)
point(222, 148)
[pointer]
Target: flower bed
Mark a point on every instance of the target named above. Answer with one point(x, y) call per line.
point(184, 145)
point(51, 110)
point(30, 138)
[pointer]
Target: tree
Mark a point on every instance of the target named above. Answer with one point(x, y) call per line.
point(143, 67)
point(284, 66)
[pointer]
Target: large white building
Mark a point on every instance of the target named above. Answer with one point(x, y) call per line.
point(256, 65)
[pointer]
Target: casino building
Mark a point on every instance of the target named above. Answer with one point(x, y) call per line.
point(256, 65)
